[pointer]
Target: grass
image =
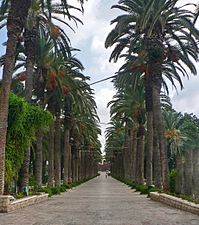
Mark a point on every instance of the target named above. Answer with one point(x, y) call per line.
point(62, 188)
point(143, 189)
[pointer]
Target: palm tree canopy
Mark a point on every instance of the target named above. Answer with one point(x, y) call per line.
point(157, 21)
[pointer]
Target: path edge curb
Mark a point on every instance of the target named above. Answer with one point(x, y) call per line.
point(8, 203)
point(175, 202)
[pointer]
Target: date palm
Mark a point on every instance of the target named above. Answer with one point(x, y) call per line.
point(115, 142)
point(129, 102)
point(85, 126)
point(158, 32)
point(16, 21)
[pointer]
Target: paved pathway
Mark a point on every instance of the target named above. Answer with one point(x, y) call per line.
point(101, 201)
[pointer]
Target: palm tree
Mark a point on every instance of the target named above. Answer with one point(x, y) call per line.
point(85, 129)
point(115, 142)
point(129, 102)
point(16, 21)
point(148, 30)
point(182, 137)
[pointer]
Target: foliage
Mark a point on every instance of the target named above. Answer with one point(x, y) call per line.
point(184, 197)
point(19, 195)
point(32, 181)
point(164, 23)
point(23, 121)
point(181, 133)
point(172, 180)
point(62, 188)
point(143, 189)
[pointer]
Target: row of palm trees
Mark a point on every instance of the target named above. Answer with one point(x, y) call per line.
point(158, 41)
point(40, 55)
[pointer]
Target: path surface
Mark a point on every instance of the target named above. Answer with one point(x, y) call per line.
point(101, 201)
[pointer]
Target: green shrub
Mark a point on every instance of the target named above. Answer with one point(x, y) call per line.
point(55, 190)
point(172, 180)
point(62, 188)
point(19, 195)
point(143, 189)
point(47, 190)
point(32, 181)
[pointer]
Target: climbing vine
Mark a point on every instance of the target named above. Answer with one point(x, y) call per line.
point(23, 122)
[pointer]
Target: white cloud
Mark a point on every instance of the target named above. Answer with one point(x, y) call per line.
point(102, 97)
point(90, 38)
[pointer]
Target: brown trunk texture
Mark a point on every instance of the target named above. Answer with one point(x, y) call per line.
point(140, 156)
point(16, 21)
point(149, 149)
point(156, 161)
point(57, 151)
point(156, 70)
point(51, 156)
point(188, 173)
point(134, 152)
point(180, 175)
point(196, 174)
point(39, 158)
point(66, 154)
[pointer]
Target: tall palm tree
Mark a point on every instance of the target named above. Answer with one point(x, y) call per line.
point(148, 29)
point(115, 142)
point(129, 102)
point(16, 21)
point(85, 126)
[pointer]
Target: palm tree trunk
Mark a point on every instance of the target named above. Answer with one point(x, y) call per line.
point(70, 166)
point(73, 164)
point(195, 173)
point(156, 161)
point(66, 154)
point(140, 156)
point(159, 127)
point(16, 21)
point(24, 172)
point(155, 70)
point(155, 50)
point(80, 165)
point(30, 51)
point(51, 156)
point(149, 136)
point(188, 173)
point(39, 158)
point(28, 96)
point(180, 175)
point(134, 152)
point(67, 145)
point(57, 151)
point(83, 164)
point(149, 149)
point(127, 154)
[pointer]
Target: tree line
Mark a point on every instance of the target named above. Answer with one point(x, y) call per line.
point(48, 121)
point(147, 140)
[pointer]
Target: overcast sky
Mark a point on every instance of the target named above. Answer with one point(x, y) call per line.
point(90, 39)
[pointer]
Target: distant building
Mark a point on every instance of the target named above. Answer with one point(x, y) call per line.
point(104, 166)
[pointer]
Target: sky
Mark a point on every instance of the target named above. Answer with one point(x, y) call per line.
point(90, 38)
